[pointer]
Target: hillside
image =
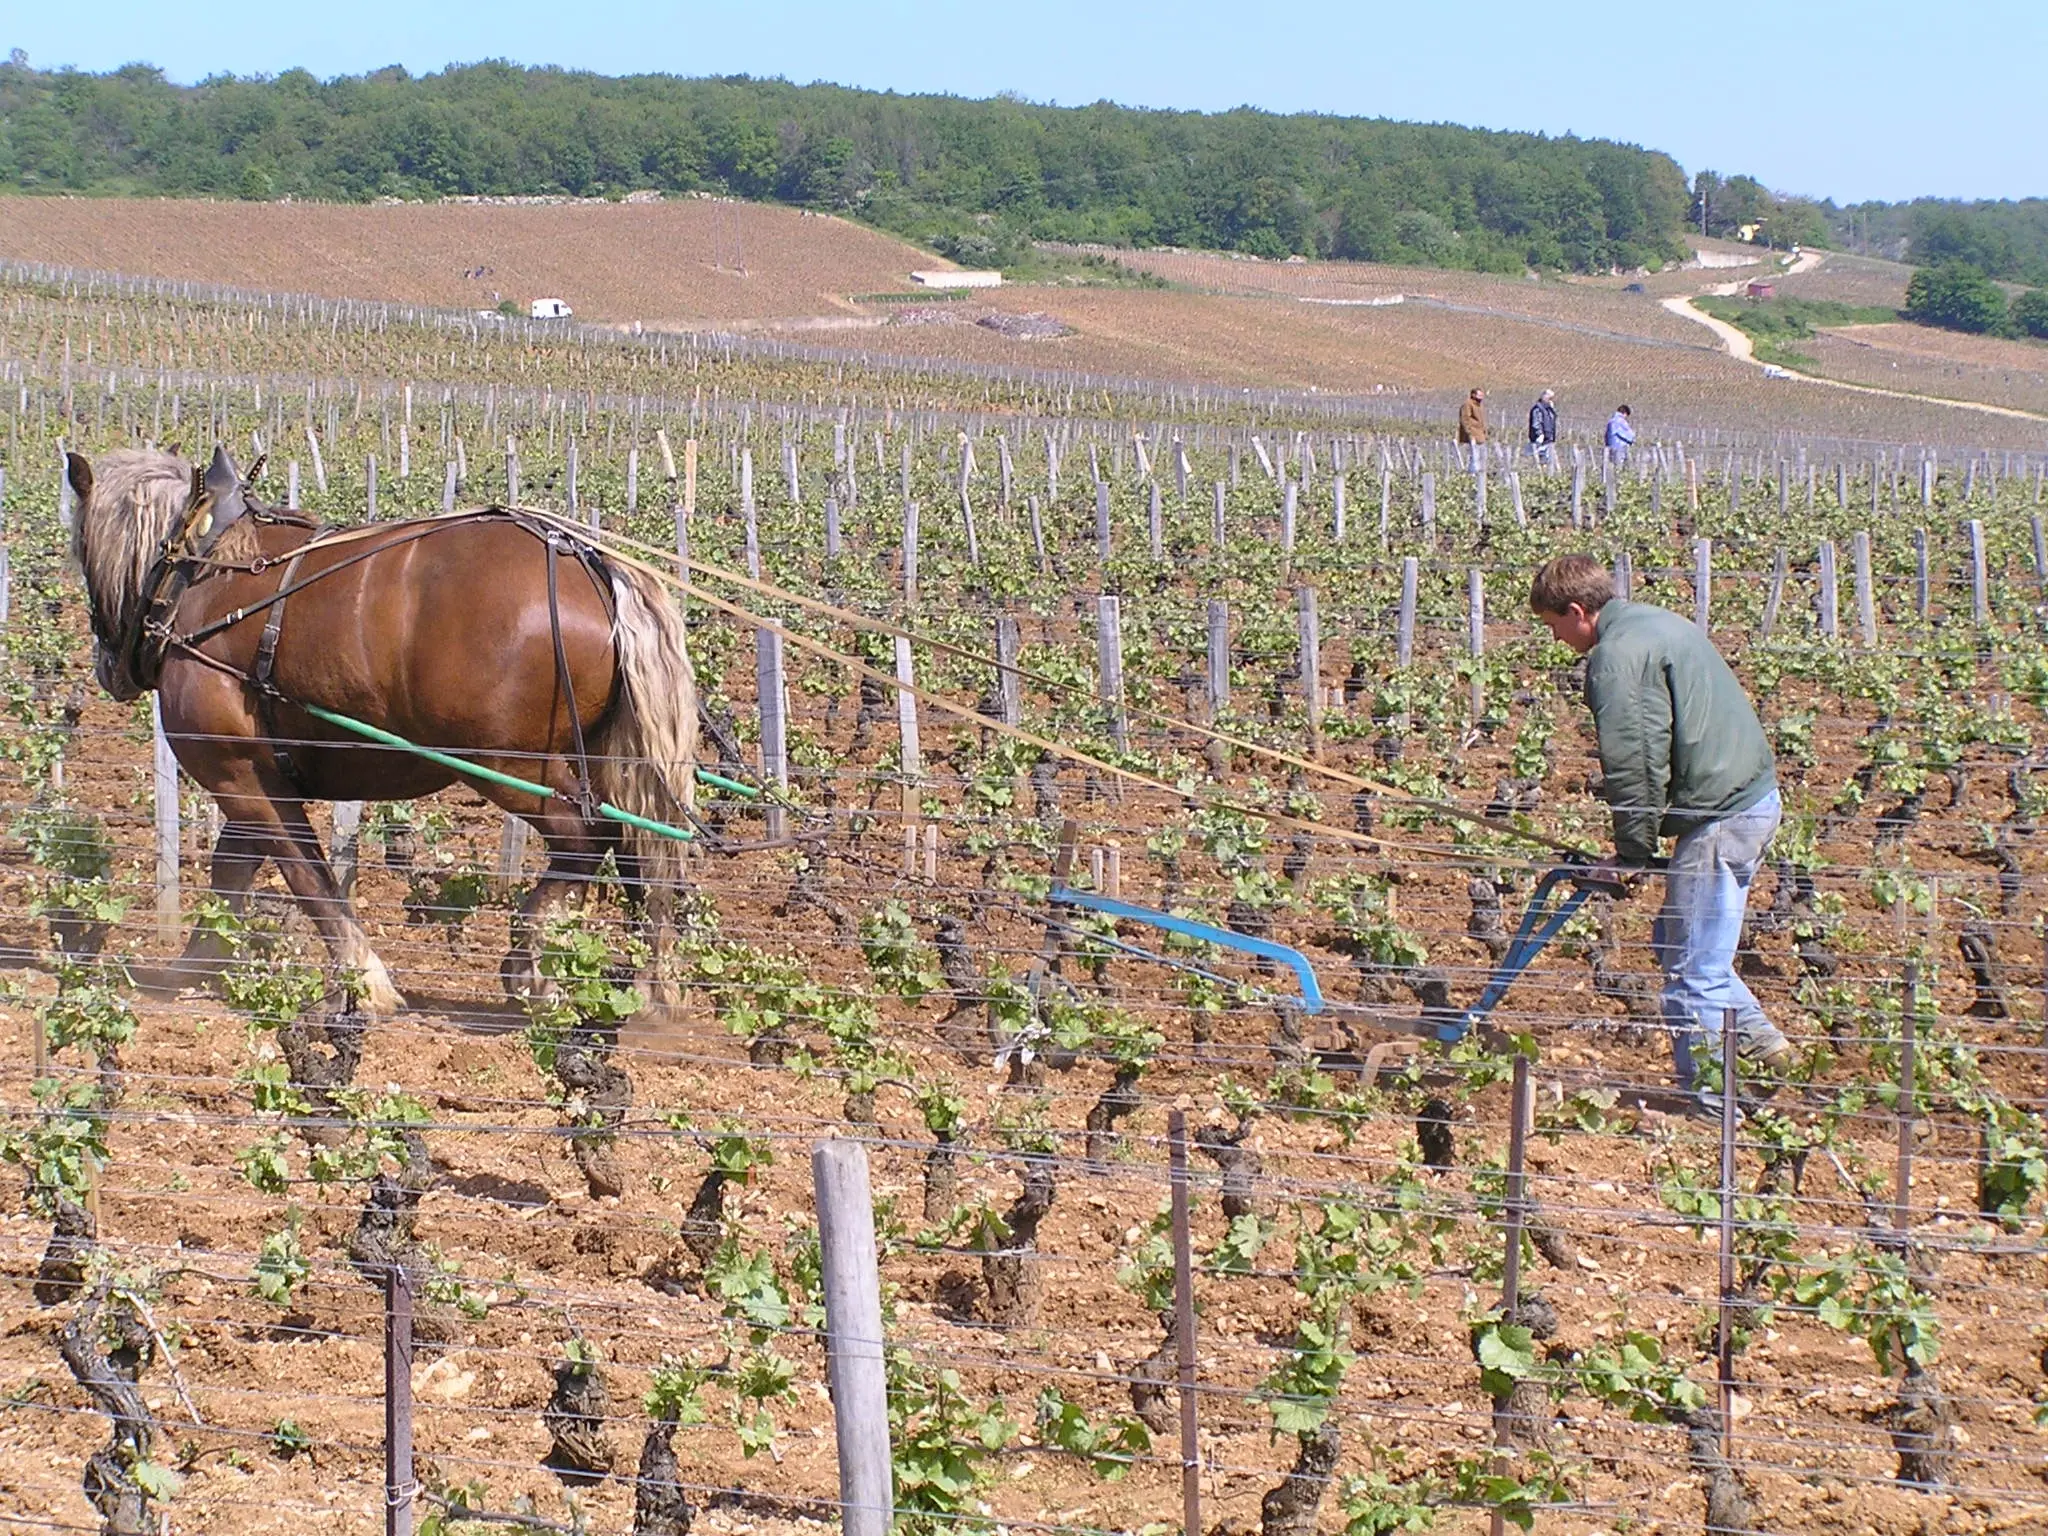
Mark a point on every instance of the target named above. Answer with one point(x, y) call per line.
point(975, 177)
point(688, 261)
point(713, 264)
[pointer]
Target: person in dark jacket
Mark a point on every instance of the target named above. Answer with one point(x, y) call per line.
point(1543, 428)
point(1683, 755)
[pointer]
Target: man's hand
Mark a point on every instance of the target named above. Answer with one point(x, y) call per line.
point(1622, 879)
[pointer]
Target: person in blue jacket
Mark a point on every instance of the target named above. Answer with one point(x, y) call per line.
point(1621, 434)
point(1543, 428)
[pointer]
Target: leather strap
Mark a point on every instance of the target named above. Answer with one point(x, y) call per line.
point(586, 796)
point(265, 665)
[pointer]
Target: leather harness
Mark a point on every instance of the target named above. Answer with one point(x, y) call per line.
point(217, 504)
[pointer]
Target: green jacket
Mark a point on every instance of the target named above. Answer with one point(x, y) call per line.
point(1680, 744)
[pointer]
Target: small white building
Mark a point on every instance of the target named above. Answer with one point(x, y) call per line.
point(957, 279)
point(551, 309)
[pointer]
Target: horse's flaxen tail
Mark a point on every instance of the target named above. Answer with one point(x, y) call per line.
point(646, 750)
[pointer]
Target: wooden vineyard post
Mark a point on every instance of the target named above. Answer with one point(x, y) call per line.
point(313, 452)
point(855, 1363)
point(1521, 1109)
point(1155, 526)
point(574, 480)
point(512, 840)
point(1902, 1189)
point(1289, 509)
point(370, 486)
point(448, 487)
point(1478, 486)
point(2040, 554)
point(1866, 595)
point(1980, 578)
point(1475, 635)
point(1038, 536)
point(1830, 605)
point(1624, 576)
point(633, 479)
point(909, 554)
point(291, 485)
point(1009, 683)
point(832, 544)
point(1578, 489)
point(1692, 485)
point(1923, 586)
point(165, 784)
point(1184, 1325)
point(1429, 510)
point(1703, 584)
point(967, 524)
point(511, 471)
point(1216, 517)
point(400, 1490)
point(1109, 662)
point(1386, 504)
point(1724, 1341)
point(1780, 572)
point(1404, 632)
point(1218, 674)
point(1515, 498)
point(1337, 510)
point(686, 509)
point(751, 516)
point(772, 693)
point(1102, 522)
point(911, 756)
point(345, 851)
point(1311, 639)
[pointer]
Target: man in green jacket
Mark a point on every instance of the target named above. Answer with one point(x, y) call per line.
point(1683, 756)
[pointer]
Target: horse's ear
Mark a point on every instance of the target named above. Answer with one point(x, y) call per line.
point(222, 478)
point(78, 470)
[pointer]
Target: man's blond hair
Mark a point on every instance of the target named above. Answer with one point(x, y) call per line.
point(1571, 579)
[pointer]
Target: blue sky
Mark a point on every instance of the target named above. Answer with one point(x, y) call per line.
point(1870, 100)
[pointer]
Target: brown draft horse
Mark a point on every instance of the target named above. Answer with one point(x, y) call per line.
point(442, 630)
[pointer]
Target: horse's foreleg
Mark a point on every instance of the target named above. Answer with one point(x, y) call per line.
point(303, 863)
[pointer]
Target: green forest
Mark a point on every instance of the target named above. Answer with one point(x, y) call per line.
point(1999, 239)
point(974, 179)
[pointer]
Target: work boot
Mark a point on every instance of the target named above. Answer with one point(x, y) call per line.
point(1768, 1071)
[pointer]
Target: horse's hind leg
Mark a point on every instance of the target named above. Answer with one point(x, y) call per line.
point(576, 851)
point(653, 912)
point(238, 855)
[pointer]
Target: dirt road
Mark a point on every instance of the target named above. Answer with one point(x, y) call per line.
point(1739, 346)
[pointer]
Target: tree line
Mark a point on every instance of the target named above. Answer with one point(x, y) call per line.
point(978, 180)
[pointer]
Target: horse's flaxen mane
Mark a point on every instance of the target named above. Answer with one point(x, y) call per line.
point(115, 535)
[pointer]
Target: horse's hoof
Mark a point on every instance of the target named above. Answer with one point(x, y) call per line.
point(380, 999)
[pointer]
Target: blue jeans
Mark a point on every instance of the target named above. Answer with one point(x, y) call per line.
point(1705, 894)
